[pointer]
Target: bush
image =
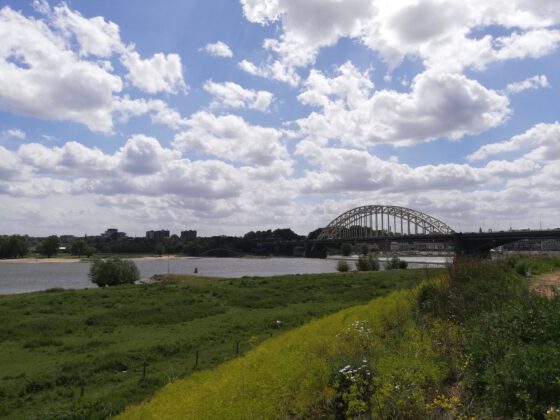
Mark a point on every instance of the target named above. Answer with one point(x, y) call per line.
point(367, 263)
point(113, 271)
point(342, 266)
point(395, 264)
point(345, 250)
point(474, 286)
point(514, 357)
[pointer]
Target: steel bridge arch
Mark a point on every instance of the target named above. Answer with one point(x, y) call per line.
point(375, 220)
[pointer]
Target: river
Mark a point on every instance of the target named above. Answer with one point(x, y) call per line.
point(18, 277)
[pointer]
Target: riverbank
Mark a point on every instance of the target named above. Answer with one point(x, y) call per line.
point(119, 345)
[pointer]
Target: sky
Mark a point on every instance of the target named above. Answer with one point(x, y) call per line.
point(228, 116)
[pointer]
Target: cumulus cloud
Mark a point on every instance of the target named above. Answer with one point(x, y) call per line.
point(95, 36)
point(232, 95)
point(158, 110)
point(231, 138)
point(59, 68)
point(438, 105)
point(218, 49)
point(161, 73)
point(42, 78)
point(543, 141)
point(439, 32)
point(143, 155)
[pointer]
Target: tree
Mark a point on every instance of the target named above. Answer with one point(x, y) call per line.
point(14, 246)
point(345, 250)
point(113, 271)
point(49, 246)
point(79, 248)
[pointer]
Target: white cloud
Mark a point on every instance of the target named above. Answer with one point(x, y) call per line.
point(94, 36)
point(143, 155)
point(347, 170)
point(543, 140)
point(72, 158)
point(439, 32)
point(159, 111)
point(535, 82)
point(232, 95)
point(161, 73)
point(438, 105)
point(42, 78)
point(229, 137)
point(218, 49)
point(13, 133)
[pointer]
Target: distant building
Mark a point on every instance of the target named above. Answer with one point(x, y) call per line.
point(67, 238)
point(157, 235)
point(113, 234)
point(188, 234)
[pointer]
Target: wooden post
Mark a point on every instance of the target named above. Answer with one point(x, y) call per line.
point(196, 359)
point(237, 347)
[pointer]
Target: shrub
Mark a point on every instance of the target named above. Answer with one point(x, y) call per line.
point(475, 286)
point(514, 357)
point(345, 250)
point(342, 266)
point(113, 271)
point(367, 263)
point(395, 264)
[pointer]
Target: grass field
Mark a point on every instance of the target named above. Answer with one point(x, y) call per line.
point(473, 343)
point(89, 353)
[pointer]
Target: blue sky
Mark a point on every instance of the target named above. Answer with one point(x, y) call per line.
point(229, 116)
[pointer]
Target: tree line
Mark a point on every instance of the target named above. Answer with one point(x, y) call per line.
point(17, 246)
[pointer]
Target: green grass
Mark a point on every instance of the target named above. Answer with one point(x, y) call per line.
point(364, 359)
point(474, 343)
point(56, 344)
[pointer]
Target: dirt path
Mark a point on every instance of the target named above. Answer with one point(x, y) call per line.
point(547, 284)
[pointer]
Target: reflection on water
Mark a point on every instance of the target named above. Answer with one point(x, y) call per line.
point(22, 277)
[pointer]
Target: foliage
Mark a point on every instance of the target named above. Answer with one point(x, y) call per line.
point(346, 250)
point(90, 336)
point(113, 271)
point(342, 266)
point(367, 262)
point(362, 360)
point(472, 287)
point(49, 246)
point(509, 357)
point(514, 357)
point(395, 263)
point(14, 246)
point(79, 248)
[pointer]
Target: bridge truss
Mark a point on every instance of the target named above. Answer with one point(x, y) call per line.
point(377, 220)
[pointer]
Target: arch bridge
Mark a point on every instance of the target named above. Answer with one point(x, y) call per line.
point(377, 221)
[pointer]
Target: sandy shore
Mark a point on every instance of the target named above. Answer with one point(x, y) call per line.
point(39, 260)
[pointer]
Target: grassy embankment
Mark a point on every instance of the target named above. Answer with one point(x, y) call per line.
point(56, 345)
point(475, 343)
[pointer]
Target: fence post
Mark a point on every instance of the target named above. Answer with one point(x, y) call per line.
point(237, 347)
point(196, 359)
